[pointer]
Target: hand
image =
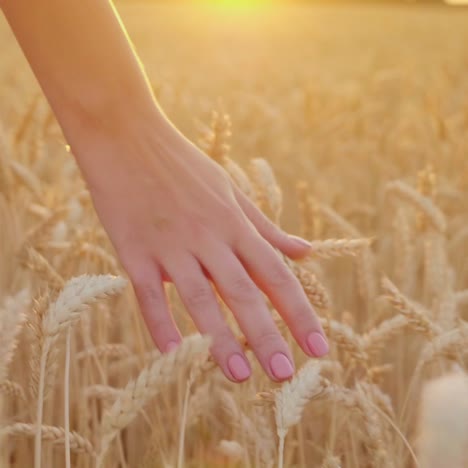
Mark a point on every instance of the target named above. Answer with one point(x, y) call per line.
point(174, 215)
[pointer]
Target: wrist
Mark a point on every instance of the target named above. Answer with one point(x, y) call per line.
point(121, 140)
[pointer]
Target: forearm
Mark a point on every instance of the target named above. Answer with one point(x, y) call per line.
point(84, 63)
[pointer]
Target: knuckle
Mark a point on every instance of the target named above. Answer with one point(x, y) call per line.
point(198, 294)
point(222, 339)
point(242, 290)
point(160, 325)
point(279, 276)
point(146, 292)
point(231, 217)
point(302, 315)
point(268, 340)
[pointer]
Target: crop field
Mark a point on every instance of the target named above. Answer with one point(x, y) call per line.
point(347, 125)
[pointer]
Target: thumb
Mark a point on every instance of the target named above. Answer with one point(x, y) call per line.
point(292, 246)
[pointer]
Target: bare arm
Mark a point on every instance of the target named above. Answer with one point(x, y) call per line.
point(171, 213)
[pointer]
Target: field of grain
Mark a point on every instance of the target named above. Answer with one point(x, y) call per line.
point(346, 124)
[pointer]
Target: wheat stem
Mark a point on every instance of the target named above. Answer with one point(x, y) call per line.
point(183, 424)
point(67, 400)
point(40, 403)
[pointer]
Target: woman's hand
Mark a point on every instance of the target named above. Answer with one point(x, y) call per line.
point(174, 215)
point(171, 213)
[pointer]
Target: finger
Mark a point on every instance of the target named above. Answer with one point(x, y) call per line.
point(199, 298)
point(248, 306)
point(149, 290)
point(284, 290)
point(292, 246)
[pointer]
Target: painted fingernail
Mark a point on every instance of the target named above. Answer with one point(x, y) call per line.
point(281, 366)
point(238, 367)
point(317, 344)
point(300, 241)
point(171, 346)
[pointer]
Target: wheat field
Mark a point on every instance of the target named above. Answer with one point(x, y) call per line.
point(347, 125)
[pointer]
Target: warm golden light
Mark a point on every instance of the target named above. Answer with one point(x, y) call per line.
point(241, 3)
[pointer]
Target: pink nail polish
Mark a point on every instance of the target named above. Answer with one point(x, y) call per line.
point(300, 241)
point(317, 344)
point(239, 368)
point(281, 366)
point(171, 346)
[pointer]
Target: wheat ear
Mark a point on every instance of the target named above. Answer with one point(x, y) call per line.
point(78, 443)
point(152, 379)
point(197, 368)
point(13, 317)
point(315, 291)
point(425, 205)
point(415, 312)
point(330, 248)
point(76, 296)
point(291, 399)
point(7, 387)
point(443, 423)
point(269, 195)
point(240, 178)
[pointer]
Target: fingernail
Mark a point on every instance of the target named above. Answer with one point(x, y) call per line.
point(238, 367)
point(317, 344)
point(171, 346)
point(300, 241)
point(281, 366)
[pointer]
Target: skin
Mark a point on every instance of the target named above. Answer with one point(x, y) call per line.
point(171, 212)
